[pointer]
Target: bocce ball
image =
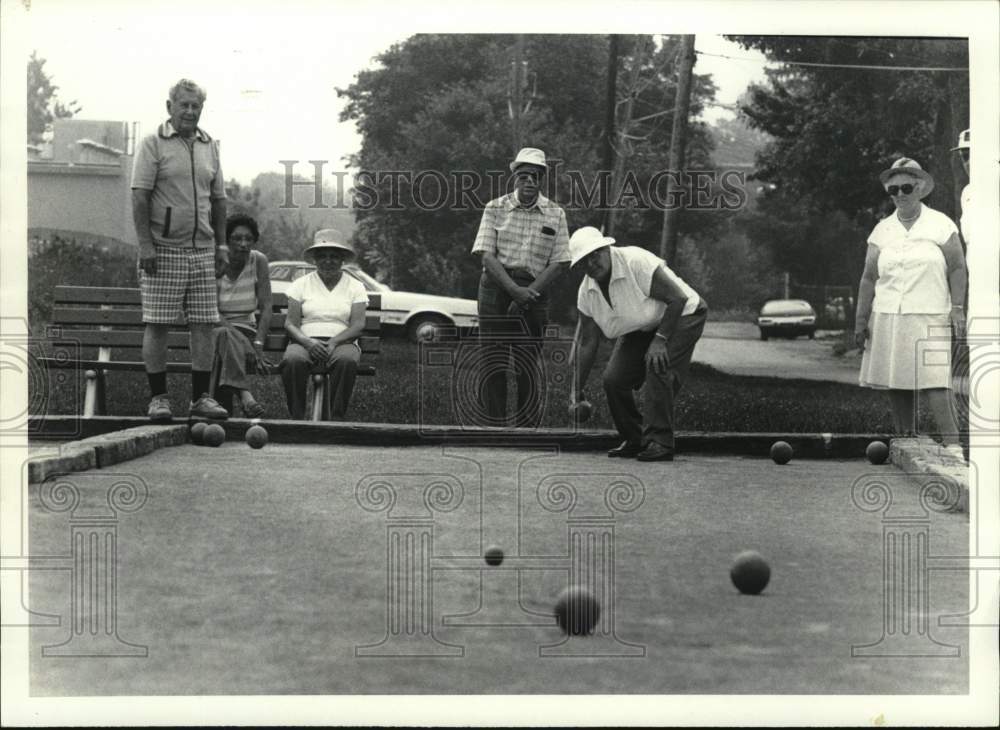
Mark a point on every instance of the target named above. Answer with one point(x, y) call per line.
point(215, 435)
point(494, 555)
point(256, 437)
point(877, 452)
point(750, 572)
point(781, 452)
point(577, 611)
point(580, 411)
point(198, 432)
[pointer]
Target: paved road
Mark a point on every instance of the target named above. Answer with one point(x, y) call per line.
point(736, 347)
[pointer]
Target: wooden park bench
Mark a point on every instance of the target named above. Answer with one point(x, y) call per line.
point(109, 318)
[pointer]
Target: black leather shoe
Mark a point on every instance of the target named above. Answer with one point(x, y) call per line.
point(625, 450)
point(655, 452)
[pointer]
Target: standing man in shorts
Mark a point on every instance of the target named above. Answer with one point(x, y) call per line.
point(522, 243)
point(179, 209)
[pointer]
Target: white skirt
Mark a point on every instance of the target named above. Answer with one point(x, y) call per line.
point(907, 352)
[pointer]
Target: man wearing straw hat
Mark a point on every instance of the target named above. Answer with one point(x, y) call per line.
point(630, 295)
point(522, 242)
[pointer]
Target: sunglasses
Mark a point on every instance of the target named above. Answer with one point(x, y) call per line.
point(895, 190)
point(964, 154)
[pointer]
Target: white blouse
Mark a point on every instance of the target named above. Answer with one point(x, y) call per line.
point(912, 272)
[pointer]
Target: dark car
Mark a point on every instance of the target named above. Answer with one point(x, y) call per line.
point(787, 318)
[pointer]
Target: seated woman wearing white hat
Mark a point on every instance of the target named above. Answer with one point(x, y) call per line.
point(910, 298)
point(326, 315)
point(630, 294)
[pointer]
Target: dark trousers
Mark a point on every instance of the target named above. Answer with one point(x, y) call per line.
point(504, 337)
point(626, 372)
point(296, 368)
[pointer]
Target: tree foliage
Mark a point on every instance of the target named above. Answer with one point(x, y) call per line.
point(440, 103)
point(43, 102)
point(834, 130)
point(286, 231)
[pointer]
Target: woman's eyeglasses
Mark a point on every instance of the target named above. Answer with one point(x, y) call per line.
point(895, 190)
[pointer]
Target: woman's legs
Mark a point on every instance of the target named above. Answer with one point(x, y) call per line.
point(903, 411)
point(939, 402)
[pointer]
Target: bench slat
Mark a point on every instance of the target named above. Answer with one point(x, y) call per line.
point(180, 340)
point(172, 367)
point(133, 317)
point(68, 295)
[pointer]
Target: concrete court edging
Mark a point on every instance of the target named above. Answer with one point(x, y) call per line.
point(103, 450)
point(115, 440)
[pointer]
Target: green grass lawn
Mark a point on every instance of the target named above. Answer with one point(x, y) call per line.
point(405, 392)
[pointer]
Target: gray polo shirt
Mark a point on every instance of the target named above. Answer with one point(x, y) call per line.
point(184, 179)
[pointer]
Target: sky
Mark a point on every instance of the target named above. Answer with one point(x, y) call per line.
point(271, 78)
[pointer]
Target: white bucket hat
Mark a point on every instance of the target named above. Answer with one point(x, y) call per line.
point(529, 156)
point(325, 239)
point(906, 166)
point(585, 240)
point(964, 141)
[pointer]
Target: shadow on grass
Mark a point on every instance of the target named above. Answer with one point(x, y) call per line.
point(711, 400)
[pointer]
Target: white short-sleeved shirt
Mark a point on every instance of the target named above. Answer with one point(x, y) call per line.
point(965, 222)
point(632, 308)
point(912, 272)
point(326, 312)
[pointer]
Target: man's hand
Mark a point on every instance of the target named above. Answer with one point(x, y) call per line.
point(221, 260)
point(860, 338)
point(524, 296)
point(147, 259)
point(656, 356)
point(958, 322)
point(515, 310)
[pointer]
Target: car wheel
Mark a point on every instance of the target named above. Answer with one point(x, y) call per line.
point(426, 329)
point(763, 335)
point(812, 335)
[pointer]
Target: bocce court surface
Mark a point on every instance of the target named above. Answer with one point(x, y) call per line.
point(307, 569)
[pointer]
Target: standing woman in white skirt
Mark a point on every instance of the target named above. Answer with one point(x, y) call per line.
point(909, 301)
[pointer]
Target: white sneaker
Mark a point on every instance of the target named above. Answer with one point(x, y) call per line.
point(159, 409)
point(207, 407)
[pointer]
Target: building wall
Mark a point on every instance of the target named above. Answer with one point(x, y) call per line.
point(88, 198)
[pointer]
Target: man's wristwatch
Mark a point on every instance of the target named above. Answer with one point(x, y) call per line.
point(661, 336)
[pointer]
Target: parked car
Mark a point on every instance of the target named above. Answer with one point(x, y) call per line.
point(787, 318)
point(418, 316)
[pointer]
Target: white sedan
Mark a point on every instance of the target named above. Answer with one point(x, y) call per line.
point(420, 316)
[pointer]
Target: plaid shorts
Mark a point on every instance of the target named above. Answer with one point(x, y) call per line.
point(184, 281)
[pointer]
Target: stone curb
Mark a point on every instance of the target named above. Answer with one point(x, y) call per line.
point(104, 450)
point(923, 457)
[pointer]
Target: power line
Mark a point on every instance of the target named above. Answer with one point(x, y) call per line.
point(837, 65)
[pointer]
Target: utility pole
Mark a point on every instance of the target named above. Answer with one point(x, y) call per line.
point(608, 152)
point(678, 139)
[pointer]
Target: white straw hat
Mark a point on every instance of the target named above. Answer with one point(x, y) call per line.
point(585, 240)
point(529, 156)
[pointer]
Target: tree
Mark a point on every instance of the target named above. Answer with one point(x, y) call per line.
point(43, 103)
point(834, 129)
point(438, 103)
point(286, 231)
